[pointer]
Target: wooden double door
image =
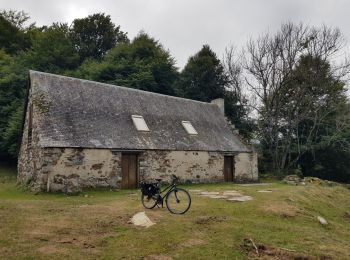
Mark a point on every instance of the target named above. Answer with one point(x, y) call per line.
point(229, 168)
point(129, 171)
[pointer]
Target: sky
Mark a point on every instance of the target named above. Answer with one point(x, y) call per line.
point(183, 26)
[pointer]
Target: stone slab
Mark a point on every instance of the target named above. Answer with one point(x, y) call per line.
point(141, 219)
point(240, 199)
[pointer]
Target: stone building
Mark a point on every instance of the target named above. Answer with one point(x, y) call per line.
point(80, 134)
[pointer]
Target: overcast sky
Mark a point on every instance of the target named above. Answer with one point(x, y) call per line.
point(183, 26)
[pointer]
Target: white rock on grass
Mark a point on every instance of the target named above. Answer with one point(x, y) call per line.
point(141, 219)
point(240, 199)
point(322, 220)
point(218, 196)
point(209, 193)
point(265, 191)
point(232, 193)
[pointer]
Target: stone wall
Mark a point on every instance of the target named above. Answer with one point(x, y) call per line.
point(190, 166)
point(77, 168)
point(246, 167)
point(31, 157)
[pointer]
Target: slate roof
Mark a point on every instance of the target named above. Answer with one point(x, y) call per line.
point(89, 114)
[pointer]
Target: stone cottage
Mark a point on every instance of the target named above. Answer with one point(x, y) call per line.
point(79, 133)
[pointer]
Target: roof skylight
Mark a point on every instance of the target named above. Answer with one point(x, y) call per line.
point(140, 123)
point(189, 128)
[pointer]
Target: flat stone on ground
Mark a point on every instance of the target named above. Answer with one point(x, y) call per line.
point(264, 191)
point(240, 199)
point(141, 219)
point(218, 196)
point(208, 193)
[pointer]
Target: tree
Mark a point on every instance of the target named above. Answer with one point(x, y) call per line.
point(13, 77)
point(52, 50)
point(14, 36)
point(142, 64)
point(203, 78)
point(94, 35)
point(283, 100)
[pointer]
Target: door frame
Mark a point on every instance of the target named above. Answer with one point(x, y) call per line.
point(231, 157)
point(137, 177)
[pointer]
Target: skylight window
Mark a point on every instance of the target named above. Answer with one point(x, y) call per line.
point(189, 128)
point(140, 123)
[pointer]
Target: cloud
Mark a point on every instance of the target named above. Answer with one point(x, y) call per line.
point(183, 26)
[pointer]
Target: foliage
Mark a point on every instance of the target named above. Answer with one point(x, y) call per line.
point(142, 64)
point(13, 37)
point(52, 50)
point(298, 96)
point(94, 35)
point(13, 77)
point(203, 77)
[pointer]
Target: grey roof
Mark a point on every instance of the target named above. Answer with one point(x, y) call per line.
point(82, 113)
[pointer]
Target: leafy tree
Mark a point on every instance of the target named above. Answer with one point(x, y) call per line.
point(52, 50)
point(13, 36)
point(94, 35)
point(203, 77)
point(142, 64)
point(13, 77)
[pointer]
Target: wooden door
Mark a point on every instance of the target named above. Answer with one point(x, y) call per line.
point(129, 171)
point(228, 168)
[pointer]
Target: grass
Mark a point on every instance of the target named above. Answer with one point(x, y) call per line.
point(95, 224)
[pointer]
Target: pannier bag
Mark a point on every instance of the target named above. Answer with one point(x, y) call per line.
point(149, 189)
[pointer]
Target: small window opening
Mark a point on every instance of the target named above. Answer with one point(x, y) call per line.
point(30, 124)
point(189, 128)
point(140, 123)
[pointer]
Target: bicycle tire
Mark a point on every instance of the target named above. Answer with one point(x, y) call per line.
point(152, 204)
point(173, 197)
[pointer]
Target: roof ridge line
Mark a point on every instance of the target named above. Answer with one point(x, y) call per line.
point(116, 86)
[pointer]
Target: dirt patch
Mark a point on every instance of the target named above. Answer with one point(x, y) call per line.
point(193, 242)
point(205, 220)
point(52, 249)
point(283, 210)
point(347, 216)
point(254, 251)
point(157, 257)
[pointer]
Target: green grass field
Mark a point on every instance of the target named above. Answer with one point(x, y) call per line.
point(280, 224)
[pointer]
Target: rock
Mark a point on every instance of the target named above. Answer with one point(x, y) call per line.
point(218, 196)
point(141, 219)
point(292, 179)
point(265, 191)
point(322, 220)
point(317, 181)
point(208, 193)
point(240, 199)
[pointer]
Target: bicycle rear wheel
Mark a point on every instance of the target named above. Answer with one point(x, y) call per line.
point(149, 202)
point(178, 201)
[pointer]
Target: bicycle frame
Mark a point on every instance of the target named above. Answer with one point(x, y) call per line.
point(171, 187)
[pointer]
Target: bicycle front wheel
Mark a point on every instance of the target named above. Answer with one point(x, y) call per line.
point(178, 201)
point(149, 202)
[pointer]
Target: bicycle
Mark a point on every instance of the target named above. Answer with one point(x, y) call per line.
point(177, 200)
